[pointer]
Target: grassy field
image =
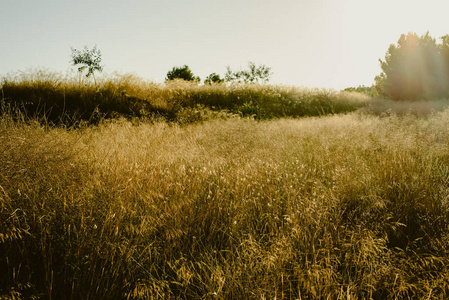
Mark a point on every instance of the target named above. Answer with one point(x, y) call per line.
point(349, 206)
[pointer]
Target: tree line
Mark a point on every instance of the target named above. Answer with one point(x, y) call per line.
point(253, 74)
point(415, 68)
point(90, 60)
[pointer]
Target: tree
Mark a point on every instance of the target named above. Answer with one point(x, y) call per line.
point(213, 78)
point(254, 74)
point(88, 59)
point(183, 72)
point(414, 69)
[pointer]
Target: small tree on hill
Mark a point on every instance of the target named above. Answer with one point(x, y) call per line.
point(213, 78)
point(183, 72)
point(254, 74)
point(88, 59)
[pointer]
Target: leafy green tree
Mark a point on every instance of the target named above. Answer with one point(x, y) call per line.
point(254, 74)
point(415, 68)
point(213, 78)
point(88, 59)
point(183, 72)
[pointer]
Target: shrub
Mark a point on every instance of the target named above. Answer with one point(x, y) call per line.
point(183, 72)
point(213, 78)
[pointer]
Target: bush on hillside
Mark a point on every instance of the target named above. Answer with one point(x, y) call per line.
point(183, 72)
point(213, 78)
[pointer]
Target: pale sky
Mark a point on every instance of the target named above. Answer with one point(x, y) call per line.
point(313, 43)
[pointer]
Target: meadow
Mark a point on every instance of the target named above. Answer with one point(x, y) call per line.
point(349, 205)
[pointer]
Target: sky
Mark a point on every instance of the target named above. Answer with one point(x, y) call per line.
point(312, 43)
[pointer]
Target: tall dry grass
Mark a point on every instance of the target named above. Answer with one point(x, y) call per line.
point(67, 100)
point(340, 207)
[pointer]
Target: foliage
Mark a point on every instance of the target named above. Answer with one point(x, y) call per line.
point(339, 207)
point(213, 78)
point(88, 59)
point(254, 74)
point(183, 72)
point(414, 69)
point(370, 91)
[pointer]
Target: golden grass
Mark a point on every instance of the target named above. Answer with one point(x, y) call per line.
point(350, 206)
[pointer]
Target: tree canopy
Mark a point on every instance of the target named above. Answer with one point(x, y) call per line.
point(213, 78)
point(183, 72)
point(254, 74)
point(416, 68)
point(88, 59)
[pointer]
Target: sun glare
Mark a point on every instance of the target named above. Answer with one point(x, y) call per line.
point(368, 28)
